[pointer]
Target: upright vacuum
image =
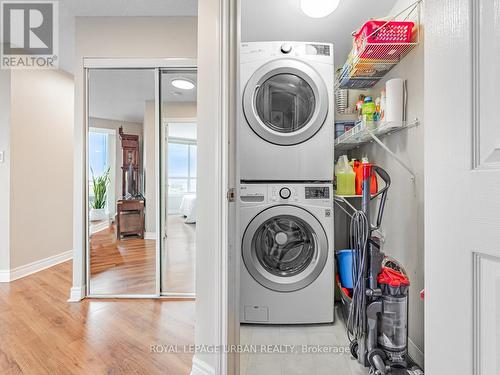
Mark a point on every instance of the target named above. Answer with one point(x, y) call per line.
point(378, 313)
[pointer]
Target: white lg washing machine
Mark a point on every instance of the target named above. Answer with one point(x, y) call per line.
point(287, 267)
point(286, 125)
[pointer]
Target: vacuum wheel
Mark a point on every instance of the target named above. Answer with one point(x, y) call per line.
point(353, 347)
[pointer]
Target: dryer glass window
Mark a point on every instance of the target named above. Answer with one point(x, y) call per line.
point(284, 245)
point(285, 103)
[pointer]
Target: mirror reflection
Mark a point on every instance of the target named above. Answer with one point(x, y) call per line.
point(121, 182)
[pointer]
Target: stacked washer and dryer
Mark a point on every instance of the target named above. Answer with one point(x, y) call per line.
point(285, 153)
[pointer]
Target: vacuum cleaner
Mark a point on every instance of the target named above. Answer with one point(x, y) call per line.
point(378, 314)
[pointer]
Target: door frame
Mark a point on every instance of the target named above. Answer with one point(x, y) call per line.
point(158, 65)
point(164, 195)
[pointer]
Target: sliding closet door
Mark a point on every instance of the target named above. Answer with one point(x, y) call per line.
point(178, 182)
point(121, 148)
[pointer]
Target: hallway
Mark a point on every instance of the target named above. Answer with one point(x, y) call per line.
point(44, 334)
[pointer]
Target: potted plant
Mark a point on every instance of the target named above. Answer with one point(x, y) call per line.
point(99, 187)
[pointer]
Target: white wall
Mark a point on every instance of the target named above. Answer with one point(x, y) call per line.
point(207, 229)
point(5, 78)
point(41, 165)
point(403, 222)
point(118, 37)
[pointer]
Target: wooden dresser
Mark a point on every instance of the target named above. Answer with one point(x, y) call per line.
point(130, 218)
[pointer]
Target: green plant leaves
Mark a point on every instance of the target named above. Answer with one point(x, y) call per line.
point(99, 186)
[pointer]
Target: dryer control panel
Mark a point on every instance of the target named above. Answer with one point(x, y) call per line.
point(312, 194)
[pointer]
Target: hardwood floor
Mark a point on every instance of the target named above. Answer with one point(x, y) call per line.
point(41, 333)
point(178, 263)
point(125, 266)
point(128, 266)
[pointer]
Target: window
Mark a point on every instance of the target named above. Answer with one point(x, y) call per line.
point(98, 153)
point(181, 166)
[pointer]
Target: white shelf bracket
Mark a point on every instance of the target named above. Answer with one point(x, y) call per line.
point(397, 158)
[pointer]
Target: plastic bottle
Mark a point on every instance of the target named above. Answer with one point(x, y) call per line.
point(369, 109)
point(345, 177)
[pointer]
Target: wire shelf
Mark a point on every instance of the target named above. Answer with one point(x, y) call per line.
point(368, 61)
point(364, 132)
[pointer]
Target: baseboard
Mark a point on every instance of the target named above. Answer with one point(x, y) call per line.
point(150, 235)
point(4, 276)
point(77, 293)
point(201, 367)
point(415, 353)
point(39, 265)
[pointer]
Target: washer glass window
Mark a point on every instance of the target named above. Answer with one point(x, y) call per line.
point(285, 102)
point(284, 245)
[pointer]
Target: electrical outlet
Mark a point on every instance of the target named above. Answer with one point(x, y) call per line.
point(2, 157)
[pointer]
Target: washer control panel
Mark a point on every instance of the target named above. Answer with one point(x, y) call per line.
point(312, 194)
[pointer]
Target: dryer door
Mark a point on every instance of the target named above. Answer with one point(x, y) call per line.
point(285, 102)
point(285, 248)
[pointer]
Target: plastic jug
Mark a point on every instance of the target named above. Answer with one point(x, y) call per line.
point(369, 109)
point(345, 177)
point(358, 171)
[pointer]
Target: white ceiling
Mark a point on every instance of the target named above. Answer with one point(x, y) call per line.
point(267, 20)
point(122, 94)
point(69, 9)
point(262, 20)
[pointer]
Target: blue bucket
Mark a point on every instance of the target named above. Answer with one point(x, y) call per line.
point(345, 259)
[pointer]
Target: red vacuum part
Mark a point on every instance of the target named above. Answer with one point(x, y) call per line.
point(393, 278)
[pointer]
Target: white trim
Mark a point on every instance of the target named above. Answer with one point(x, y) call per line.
point(201, 367)
point(33, 267)
point(4, 276)
point(150, 236)
point(101, 226)
point(415, 353)
point(138, 63)
point(77, 294)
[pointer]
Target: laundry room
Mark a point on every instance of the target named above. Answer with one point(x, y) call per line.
point(330, 160)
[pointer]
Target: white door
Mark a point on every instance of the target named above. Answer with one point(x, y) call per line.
point(462, 188)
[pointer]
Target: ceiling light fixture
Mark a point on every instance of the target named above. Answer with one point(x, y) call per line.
point(318, 8)
point(183, 84)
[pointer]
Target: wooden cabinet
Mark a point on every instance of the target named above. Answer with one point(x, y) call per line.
point(130, 218)
point(130, 163)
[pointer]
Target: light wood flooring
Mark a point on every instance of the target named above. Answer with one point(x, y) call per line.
point(125, 266)
point(41, 333)
point(128, 266)
point(178, 264)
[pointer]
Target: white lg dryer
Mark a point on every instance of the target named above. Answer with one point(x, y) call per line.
point(286, 122)
point(287, 263)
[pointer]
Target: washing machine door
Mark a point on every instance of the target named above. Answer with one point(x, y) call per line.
point(285, 102)
point(285, 248)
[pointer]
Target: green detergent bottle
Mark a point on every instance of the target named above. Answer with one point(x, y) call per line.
point(368, 109)
point(345, 177)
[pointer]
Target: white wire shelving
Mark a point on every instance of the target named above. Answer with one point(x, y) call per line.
point(377, 59)
point(367, 132)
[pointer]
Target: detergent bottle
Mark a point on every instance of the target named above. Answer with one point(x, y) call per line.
point(369, 109)
point(345, 177)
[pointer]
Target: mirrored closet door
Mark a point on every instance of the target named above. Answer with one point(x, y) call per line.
point(121, 182)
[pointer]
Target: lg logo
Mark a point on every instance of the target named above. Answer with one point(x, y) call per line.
point(29, 34)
